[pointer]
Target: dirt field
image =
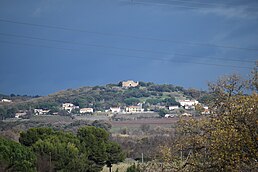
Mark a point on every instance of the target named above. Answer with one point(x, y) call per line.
point(153, 121)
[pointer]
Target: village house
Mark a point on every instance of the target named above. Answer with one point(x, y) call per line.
point(134, 109)
point(115, 109)
point(129, 83)
point(41, 111)
point(159, 107)
point(206, 110)
point(189, 107)
point(69, 107)
point(86, 110)
point(19, 114)
point(188, 102)
point(173, 107)
point(187, 114)
point(6, 100)
point(169, 116)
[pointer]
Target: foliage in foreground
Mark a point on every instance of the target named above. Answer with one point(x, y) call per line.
point(15, 157)
point(133, 168)
point(225, 141)
point(87, 151)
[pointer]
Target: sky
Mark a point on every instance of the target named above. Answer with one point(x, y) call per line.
point(52, 45)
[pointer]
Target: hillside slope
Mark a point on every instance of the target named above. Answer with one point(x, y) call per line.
point(111, 95)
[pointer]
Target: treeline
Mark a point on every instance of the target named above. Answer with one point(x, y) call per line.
point(43, 149)
point(18, 97)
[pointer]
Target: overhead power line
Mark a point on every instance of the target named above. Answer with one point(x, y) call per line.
point(77, 43)
point(200, 3)
point(131, 56)
point(117, 48)
point(165, 4)
point(131, 36)
point(193, 5)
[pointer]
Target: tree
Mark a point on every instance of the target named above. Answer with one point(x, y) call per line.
point(224, 141)
point(102, 124)
point(163, 112)
point(87, 151)
point(131, 101)
point(11, 112)
point(15, 157)
point(133, 168)
point(199, 109)
point(254, 78)
point(114, 154)
point(62, 151)
point(31, 136)
point(2, 113)
point(93, 140)
point(171, 102)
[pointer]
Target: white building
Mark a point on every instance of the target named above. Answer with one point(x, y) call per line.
point(187, 114)
point(19, 114)
point(86, 110)
point(169, 116)
point(41, 111)
point(173, 107)
point(115, 109)
point(189, 107)
point(134, 109)
point(188, 102)
point(66, 105)
point(69, 107)
point(6, 100)
point(206, 111)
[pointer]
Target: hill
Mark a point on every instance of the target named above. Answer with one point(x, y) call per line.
point(101, 98)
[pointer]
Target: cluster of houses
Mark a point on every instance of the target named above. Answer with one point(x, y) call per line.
point(69, 107)
point(129, 109)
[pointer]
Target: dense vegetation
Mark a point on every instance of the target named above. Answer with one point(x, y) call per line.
point(87, 151)
point(15, 157)
point(224, 141)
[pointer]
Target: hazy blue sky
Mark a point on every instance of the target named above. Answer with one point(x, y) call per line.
point(52, 45)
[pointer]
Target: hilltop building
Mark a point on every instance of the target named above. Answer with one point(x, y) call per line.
point(129, 83)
